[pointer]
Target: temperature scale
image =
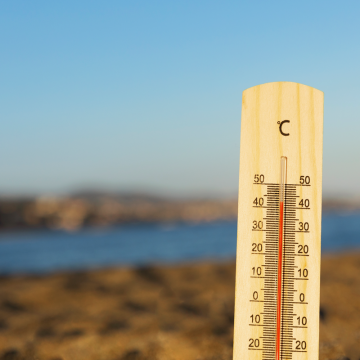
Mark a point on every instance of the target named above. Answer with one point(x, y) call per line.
point(279, 223)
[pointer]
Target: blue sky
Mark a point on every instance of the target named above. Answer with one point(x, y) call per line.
point(146, 95)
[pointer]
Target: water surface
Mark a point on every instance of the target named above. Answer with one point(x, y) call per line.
point(46, 251)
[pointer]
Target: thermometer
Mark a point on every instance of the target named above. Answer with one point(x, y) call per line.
point(279, 223)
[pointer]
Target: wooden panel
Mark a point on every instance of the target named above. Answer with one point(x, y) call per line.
point(279, 119)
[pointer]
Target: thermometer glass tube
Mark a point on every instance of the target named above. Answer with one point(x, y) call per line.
point(282, 184)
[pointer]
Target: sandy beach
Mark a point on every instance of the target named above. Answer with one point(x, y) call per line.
point(162, 312)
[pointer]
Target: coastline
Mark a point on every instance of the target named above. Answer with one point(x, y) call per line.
point(77, 212)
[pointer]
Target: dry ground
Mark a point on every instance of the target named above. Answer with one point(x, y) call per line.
point(166, 313)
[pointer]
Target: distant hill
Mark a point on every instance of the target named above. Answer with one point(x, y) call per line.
point(101, 208)
point(124, 197)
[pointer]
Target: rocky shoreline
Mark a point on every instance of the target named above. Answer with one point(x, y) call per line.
point(165, 313)
point(72, 213)
point(99, 210)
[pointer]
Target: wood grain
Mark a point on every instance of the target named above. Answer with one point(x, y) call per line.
point(262, 145)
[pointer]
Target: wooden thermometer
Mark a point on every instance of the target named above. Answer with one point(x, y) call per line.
point(279, 223)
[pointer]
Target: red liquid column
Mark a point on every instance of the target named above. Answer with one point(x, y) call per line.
point(280, 254)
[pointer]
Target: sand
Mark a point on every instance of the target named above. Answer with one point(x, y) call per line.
point(164, 312)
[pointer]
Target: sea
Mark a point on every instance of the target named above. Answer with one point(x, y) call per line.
point(40, 252)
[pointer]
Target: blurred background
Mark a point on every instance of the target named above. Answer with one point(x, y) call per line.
point(119, 143)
